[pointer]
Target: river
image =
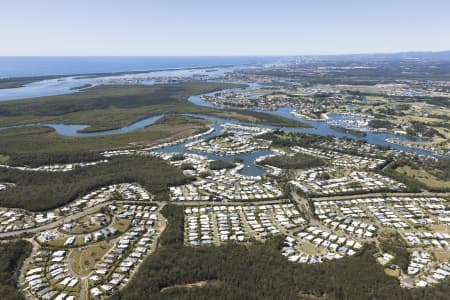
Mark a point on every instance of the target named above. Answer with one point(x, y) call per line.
point(317, 127)
point(74, 84)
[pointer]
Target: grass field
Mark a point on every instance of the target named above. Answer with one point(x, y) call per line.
point(122, 224)
point(60, 240)
point(444, 131)
point(424, 177)
point(84, 225)
point(441, 255)
point(4, 159)
point(84, 259)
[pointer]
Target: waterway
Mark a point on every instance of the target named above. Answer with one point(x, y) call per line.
point(323, 128)
point(317, 127)
point(74, 84)
point(248, 159)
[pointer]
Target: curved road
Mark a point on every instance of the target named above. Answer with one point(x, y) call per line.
point(68, 219)
point(92, 209)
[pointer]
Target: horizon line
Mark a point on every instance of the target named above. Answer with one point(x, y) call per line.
point(237, 55)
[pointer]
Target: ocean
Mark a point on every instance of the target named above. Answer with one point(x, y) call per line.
point(67, 65)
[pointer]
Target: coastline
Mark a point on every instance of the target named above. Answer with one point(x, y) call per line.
point(18, 82)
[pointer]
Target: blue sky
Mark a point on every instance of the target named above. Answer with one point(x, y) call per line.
point(228, 27)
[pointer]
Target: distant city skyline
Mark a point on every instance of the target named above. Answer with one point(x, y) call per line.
point(225, 28)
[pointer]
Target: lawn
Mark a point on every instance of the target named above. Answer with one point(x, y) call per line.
point(443, 256)
point(84, 225)
point(4, 159)
point(122, 224)
point(309, 249)
point(57, 242)
point(85, 258)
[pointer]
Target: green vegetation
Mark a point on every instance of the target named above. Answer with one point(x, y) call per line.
point(4, 159)
point(110, 107)
point(377, 123)
point(266, 118)
point(46, 190)
point(16, 82)
point(187, 166)
point(288, 139)
point(36, 146)
point(259, 271)
point(84, 259)
point(354, 132)
point(421, 129)
point(177, 157)
point(412, 184)
point(238, 160)
point(84, 86)
point(421, 174)
point(439, 101)
point(174, 232)
point(427, 179)
point(104, 97)
point(392, 243)
point(297, 161)
point(34, 159)
point(12, 255)
point(220, 164)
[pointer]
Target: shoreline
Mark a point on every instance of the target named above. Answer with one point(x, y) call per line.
point(24, 80)
point(324, 117)
point(397, 141)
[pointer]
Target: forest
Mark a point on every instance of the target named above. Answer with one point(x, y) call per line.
point(12, 255)
point(37, 191)
point(220, 164)
point(33, 159)
point(114, 106)
point(259, 271)
point(102, 97)
point(288, 139)
point(351, 131)
point(297, 161)
point(392, 243)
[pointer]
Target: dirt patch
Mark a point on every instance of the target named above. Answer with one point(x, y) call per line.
point(213, 283)
point(313, 297)
point(392, 273)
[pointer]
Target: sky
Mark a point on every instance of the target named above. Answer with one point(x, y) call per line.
point(221, 28)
